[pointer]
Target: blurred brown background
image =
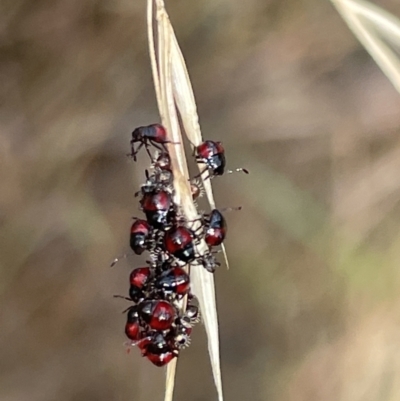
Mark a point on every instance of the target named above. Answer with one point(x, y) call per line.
point(310, 309)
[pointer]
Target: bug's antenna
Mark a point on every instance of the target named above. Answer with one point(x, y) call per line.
point(116, 260)
point(243, 170)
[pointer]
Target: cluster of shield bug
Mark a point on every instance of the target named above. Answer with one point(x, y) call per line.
point(156, 322)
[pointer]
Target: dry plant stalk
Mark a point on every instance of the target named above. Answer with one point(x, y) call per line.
point(377, 30)
point(174, 94)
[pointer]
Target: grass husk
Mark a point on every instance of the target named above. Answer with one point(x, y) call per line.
point(377, 30)
point(174, 94)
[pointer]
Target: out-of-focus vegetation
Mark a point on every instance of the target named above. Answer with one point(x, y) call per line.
point(310, 308)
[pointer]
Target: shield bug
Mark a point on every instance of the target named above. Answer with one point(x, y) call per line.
point(159, 315)
point(154, 134)
point(159, 208)
point(179, 242)
point(139, 281)
point(132, 326)
point(140, 236)
point(158, 350)
point(174, 281)
point(216, 228)
point(212, 154)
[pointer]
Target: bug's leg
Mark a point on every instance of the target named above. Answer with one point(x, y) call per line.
point(126, 310)
point(199, 230)
point(201, 173)
point(146, 144)
point(158, 146)
point(133, 151)
point(132, 154)
point(122, 297)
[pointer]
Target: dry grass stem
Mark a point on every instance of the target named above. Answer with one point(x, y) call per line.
point(173, 90)
point(374, 28)
point(186, 104)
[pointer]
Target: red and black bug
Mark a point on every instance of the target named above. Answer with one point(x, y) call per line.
point(160, 357)
point(174, 281)
point(159, 315)
point(179, 242)
point(140, 277)
point(159, 208)
point(212, 154)
point(158, 350)
point(216, 228)
point(154, 134)
point(140, 236)
point(139, 281)
point(132, 326)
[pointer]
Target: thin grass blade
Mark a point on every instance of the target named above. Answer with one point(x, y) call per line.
point(385, 23)
point(186, 104)
point(202, 282)
point(204, 288)
point(374, 28)
point(164, 62)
